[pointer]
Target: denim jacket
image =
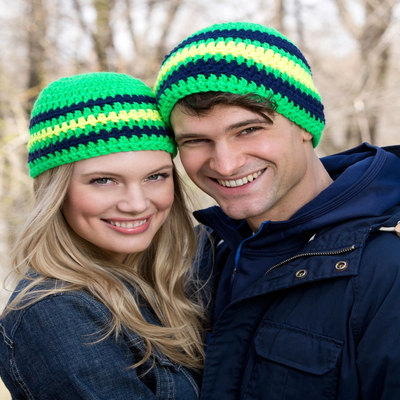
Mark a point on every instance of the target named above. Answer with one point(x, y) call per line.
point(51, 350)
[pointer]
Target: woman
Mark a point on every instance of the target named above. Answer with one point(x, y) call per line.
point(105, 308)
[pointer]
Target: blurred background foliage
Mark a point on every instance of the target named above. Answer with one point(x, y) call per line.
point(350, 44)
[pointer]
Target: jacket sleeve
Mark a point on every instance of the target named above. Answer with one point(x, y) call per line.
point(378, 347)
point(58, 354)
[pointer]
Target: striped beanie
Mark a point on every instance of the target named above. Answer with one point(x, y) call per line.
point(94, 114)
point(242, 58)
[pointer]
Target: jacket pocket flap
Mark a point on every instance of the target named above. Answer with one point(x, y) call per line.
point(297, 348)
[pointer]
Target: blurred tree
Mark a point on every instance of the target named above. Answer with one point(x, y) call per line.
point(149, 54)
point(374, 51)
point(279, 14)
point(36, 49)
point(101, 33)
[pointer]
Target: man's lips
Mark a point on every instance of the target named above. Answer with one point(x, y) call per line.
point(240, 181)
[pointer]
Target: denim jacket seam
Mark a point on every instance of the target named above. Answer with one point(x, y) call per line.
point(158, 382)
point(7, 340)
point(170, 384)
point(13, 365)
point(18, 378)
point(191, 380)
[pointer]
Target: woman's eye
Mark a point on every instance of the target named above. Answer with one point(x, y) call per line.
point(157, 177)
point(102, 181)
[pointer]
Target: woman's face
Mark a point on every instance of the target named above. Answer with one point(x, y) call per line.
point(119, 201)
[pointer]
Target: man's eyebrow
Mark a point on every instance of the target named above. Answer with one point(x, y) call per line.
point(239, 124)
point(246, 122)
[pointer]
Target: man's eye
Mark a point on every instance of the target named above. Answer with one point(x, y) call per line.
point(193, 142)
point(250, 130)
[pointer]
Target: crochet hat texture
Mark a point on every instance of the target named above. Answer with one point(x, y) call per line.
point(242, 58)
point(89, 115)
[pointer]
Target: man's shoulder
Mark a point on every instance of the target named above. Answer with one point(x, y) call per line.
point(385, 222)
point(380, 249)
point(395, 149)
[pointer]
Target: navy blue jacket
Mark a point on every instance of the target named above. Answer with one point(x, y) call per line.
point(310, 308)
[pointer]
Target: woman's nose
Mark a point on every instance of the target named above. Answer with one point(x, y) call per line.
point(133, 200)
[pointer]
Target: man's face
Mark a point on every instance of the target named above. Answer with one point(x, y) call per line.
point(257, 167)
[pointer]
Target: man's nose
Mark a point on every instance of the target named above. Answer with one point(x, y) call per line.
point(226, 159)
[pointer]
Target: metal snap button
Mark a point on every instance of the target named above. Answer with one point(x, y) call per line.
point(341, 265)
point(301, 273)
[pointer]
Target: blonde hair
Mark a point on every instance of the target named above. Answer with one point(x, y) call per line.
point(162, 275)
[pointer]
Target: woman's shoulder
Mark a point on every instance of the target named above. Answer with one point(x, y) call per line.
point(48, 304)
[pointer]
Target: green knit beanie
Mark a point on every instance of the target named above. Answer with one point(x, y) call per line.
point(94, 114)
point(242, 58)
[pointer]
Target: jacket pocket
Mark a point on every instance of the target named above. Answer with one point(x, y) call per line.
point(291, 363)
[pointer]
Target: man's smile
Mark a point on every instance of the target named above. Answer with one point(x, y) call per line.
point(241, 181)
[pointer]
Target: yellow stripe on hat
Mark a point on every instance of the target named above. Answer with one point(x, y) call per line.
point(260, 55)
point(82, 122)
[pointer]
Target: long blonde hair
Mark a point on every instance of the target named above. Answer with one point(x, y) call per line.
point(161, 275)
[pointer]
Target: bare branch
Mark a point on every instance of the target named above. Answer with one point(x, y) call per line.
point(171, 13)
point(347, 19)
point(131, 24)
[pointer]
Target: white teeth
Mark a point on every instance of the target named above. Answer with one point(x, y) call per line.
point(239, 182)
point(128, 225)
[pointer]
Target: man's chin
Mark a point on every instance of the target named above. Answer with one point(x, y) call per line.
point(234, 213)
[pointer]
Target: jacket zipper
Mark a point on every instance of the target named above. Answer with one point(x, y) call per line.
point(318, 253)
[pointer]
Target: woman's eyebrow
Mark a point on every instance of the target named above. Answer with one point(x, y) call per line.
point(116, 173)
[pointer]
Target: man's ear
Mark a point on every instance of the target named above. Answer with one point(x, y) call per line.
point(307, 136)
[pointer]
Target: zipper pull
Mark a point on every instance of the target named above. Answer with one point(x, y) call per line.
point(395, 229)
point(233, 274)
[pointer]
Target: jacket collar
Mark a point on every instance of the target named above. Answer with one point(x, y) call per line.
point(333, 252)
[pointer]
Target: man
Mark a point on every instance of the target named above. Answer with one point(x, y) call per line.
point(307, 278)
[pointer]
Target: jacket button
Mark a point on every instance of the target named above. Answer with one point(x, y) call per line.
point(301, 273)
point(341, 265)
